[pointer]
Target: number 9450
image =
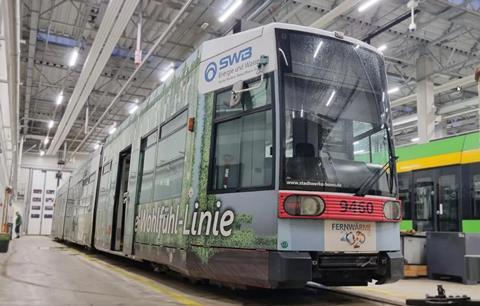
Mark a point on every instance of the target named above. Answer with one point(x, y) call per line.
point(356, 207)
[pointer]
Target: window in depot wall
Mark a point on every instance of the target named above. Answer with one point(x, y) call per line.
point(146, 168)
point(243, 151)
point(170, 158)
point(106, 168)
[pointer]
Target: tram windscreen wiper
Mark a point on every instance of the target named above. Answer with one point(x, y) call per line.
point(372, 179)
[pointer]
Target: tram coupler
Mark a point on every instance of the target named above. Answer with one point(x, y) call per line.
point(442, 299)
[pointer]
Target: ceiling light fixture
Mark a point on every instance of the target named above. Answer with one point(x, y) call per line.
point(366, 5)
point(393, 90)
point(73, 57)
point(112, 129)
point(96, 146)
point(382, 48)
point(59, 98)
point(50, 124)
point(42, 152)
point(133, 109)
point(167, 74)
point(45, 141)
point(229, 11)
point(405, 120)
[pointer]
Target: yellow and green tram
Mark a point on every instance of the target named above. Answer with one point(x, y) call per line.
point(439, 184)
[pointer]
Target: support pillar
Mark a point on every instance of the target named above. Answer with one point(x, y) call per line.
point(425, 99)
point(440, 130)
point(477, 78)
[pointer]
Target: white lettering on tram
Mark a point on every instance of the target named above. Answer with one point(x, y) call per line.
point(165, 220)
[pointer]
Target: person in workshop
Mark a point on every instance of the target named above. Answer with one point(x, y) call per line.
point(18, 223)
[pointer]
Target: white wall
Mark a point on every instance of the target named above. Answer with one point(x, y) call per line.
point(35, 161)
point(30, 162)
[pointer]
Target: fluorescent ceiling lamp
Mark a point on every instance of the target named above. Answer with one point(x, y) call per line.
point(382, 48)
point(45, 141)
point(112, 129)
point(393, 90)
point(60, 98)
point(317, 49)
point(331, 98)
point(404, 120)
point(96, 146)
point(167, 74)
point(366, 5)
point(415, 139)
point(133, 109)
point(73, 57)
point(50, 124)
point(42, 152)
point(232, 8)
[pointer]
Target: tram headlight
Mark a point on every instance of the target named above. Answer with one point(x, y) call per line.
point(299, 205)
point(392, 210)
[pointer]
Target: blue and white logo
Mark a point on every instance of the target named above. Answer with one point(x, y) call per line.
point(210, 71)
point(227, 61)
point(235, 58)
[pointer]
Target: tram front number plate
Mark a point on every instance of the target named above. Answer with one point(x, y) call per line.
point(350, 236)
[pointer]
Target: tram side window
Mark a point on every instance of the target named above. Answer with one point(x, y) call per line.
point(424, 203)
point(243, 140)
point(147, 167)
point(170, 158)
point(476, 195)
point(404, 187)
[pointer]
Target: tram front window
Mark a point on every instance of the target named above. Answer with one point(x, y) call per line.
point(336, 115)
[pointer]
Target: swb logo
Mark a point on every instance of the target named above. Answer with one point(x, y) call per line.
point(210, 71)
point(224, 62)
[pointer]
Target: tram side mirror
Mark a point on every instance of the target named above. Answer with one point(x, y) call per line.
point(238, 87)
point(236, 96)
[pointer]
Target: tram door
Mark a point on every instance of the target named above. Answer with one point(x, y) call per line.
point(436, 199)
point(121, 200)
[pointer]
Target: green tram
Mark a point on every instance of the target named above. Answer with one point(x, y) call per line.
point(439, 184)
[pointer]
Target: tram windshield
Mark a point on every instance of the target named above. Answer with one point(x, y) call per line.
point(336, 116)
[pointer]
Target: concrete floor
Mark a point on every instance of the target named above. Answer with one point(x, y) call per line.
point(415, 288)
point(39, 271)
